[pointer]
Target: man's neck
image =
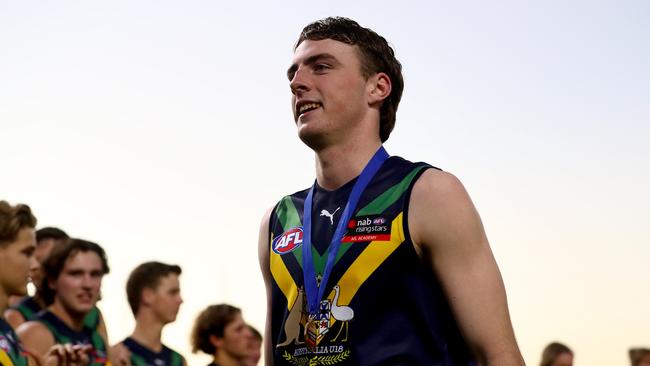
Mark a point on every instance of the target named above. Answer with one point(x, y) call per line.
point(4, 302)
point(222, 358)
point(73, 320)
point(337, 165)
point(148, 332)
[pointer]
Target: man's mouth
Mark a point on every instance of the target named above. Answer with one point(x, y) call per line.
point(306, 107)
point(85, 297)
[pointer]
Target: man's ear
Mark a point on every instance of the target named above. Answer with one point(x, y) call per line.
point(147, 296)
point(216, 341)
point(379, 88)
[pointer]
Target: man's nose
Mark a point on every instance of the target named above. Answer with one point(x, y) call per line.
point(300, 82)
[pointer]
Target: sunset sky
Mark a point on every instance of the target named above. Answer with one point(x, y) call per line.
point(162, 130)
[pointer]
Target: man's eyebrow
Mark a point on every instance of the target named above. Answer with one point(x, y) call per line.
point(310, 61)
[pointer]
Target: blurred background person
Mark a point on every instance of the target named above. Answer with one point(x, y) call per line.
point(557, 354)
point(17, 246)
point(25, 308)
point(254, 348)
point(71, 287)
point(640, 356)
point(154, 294)
point(220, 331)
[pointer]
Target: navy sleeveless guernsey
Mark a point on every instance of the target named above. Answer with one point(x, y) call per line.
point(383, 306)
point(64, 334)
point(11, 353)
point(143, 356)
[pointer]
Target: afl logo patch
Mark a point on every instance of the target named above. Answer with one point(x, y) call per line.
point(288, 241)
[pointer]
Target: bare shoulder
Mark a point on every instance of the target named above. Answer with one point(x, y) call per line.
point(438, 186)
point(14, 318)
point(35, 337)
point(439, 209)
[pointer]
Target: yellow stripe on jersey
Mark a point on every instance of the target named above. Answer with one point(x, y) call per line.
point(5, 360)
point(368, 261)
point(282, 277)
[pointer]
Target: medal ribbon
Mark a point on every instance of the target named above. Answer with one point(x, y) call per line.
point(313, 291)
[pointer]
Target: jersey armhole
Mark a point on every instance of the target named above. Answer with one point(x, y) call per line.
point(407, 202)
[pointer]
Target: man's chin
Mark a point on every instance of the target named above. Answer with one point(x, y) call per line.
point(314, 140)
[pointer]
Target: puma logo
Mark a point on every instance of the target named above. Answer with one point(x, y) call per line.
point(330, 215)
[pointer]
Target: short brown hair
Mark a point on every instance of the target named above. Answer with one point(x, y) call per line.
point(636, 354)
point(146, 275)
point(50, 233)
point(211, 321)
point(376, 56)
point(552, 351)
point(13, 219)
point(54, 263)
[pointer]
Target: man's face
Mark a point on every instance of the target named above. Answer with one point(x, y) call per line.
point(563, 359)
point(330, 94)
point(254, 352)
point(77, 287)
point(165, 300)
point(645, 360)
point(15, 263)
point(236, 338)
point(42, 251)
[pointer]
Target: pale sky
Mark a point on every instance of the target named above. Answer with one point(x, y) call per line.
point(162, 130)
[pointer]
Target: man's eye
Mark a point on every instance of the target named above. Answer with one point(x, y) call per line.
point(321, 67)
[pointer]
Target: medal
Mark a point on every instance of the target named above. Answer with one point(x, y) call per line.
point(312, 332)
point(315, 292)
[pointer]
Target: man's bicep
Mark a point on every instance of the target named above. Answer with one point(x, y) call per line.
point(35, 338)
point(264, 257)
point(445, 224)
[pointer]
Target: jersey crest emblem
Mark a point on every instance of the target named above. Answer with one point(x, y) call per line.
point(288, 241)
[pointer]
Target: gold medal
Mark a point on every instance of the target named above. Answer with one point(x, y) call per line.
point(312, 332)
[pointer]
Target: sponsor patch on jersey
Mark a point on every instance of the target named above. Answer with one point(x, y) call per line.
point(288, 241)
point(367, 228)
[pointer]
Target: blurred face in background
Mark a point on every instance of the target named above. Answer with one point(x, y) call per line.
point(79, 283)
point(15, 259)
point(43, 249)
point(563, 359)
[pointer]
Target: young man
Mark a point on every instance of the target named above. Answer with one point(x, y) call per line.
point(154, 294)
point(27, 307)
point(382, 261)
point(220, 331)
point(71, 287)
point(17, 245)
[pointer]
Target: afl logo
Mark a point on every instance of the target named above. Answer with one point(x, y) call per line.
point(378, 221)
point(288, 241)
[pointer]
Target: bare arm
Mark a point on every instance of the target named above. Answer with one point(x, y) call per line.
point(36, 339)
point(118, 354)
point(447, 228)
point(263, 254)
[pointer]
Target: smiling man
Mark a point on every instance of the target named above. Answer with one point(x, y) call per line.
point(382, 261)
point(73, 275)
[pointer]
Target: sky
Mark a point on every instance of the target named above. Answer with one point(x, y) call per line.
point(163, 131)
